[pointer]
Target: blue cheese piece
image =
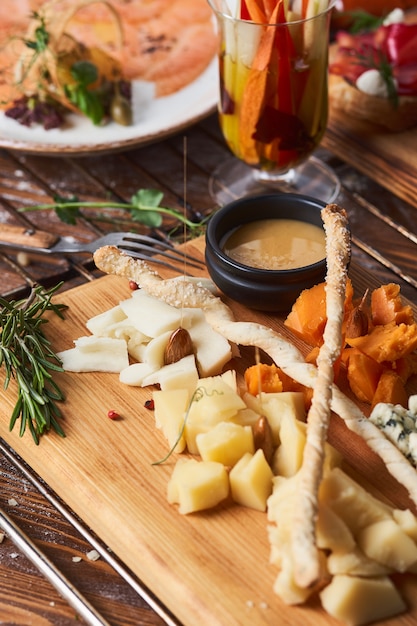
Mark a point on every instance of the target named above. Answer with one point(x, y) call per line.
point(399, 425)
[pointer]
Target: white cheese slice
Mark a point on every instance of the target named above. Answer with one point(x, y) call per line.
point(211, 349)
point(99, 324)
point(180, 375)
point(149, 315)
point(95, 354)
point(154, 352)
point(134, 374)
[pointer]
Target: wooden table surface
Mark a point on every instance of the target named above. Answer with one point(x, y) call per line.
point(383, 228)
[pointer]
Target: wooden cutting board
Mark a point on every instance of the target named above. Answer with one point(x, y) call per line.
point(388, 158)
point(210, 568)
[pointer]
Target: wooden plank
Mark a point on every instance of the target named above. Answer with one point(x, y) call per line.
point(388, 158)
point(211, 567)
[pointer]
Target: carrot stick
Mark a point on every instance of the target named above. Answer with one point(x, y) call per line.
point(254, 93)
point(269, 6)
point(256, 11)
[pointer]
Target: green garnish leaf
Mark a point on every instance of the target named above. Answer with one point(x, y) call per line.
point(143, 203)
point(84, 72)
point(66, 214)
point(41, 41)
point(87, 101)
point(363, 21)
point(147, 197)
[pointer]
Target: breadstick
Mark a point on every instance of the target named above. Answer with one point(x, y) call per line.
point(303, 537)
point(284, 354)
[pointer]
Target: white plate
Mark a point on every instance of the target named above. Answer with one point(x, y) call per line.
point(154, 119)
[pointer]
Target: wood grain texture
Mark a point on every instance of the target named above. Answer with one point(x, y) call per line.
point(211, 567)
point(388, 158)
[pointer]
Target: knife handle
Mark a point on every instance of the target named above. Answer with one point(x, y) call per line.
point(26, 236)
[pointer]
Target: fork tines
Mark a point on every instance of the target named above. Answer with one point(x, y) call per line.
point(144, 247)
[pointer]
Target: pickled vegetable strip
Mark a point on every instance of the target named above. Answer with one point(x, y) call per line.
point(254, 95)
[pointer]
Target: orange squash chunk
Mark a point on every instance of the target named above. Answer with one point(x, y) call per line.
point(307, 317)
point(363, 374)
point(387, 306)
point(390, 389)
point(389, 342)
point(406, 366)
point(263, 377)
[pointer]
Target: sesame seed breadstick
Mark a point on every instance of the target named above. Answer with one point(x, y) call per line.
point(303, 537)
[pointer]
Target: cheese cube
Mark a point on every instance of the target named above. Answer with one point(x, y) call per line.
point(355, 563)
point(288, 457)
point(214, 401)
point(332, 532)
point(170, 412)
point(387, 543)
point(197, 485)
point(356, 601)
point(352, 503)
point(276, 406)
point(225, 443)
point(407, 521)
point(251, 481)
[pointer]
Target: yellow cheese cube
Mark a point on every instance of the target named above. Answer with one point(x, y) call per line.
point(352, 503)
point(225, 443)
point(214, 401)
point(288, 457)
point(355, 563)
point(357, 601)
point(251, 481)
point(170, 411)
point(332, 532)
point(276, 406)
point(386, 543)
point(197, 485)
point(407, 521)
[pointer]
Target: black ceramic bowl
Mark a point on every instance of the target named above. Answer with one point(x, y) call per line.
point(262, 289)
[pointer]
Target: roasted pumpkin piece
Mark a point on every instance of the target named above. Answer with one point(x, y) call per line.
point(387, 306)
point(390, 390)
point(263, 377)
point(406, 366)
point(307, 317)
point(312, 358)
point(388, 342)
point(363, 374)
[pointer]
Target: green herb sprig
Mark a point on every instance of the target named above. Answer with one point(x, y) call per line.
point(39, 44)
point(88, 101)
point(384, 67)
point(28, 359)
point(363, 21)
point(144, 207)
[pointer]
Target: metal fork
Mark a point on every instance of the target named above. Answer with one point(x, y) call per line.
point(140, 246)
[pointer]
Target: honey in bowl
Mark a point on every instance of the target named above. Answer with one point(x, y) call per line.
point(264, 287)
point(276, 244)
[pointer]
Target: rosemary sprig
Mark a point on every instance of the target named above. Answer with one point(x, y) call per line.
point(144, 207)
point(27, 358)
